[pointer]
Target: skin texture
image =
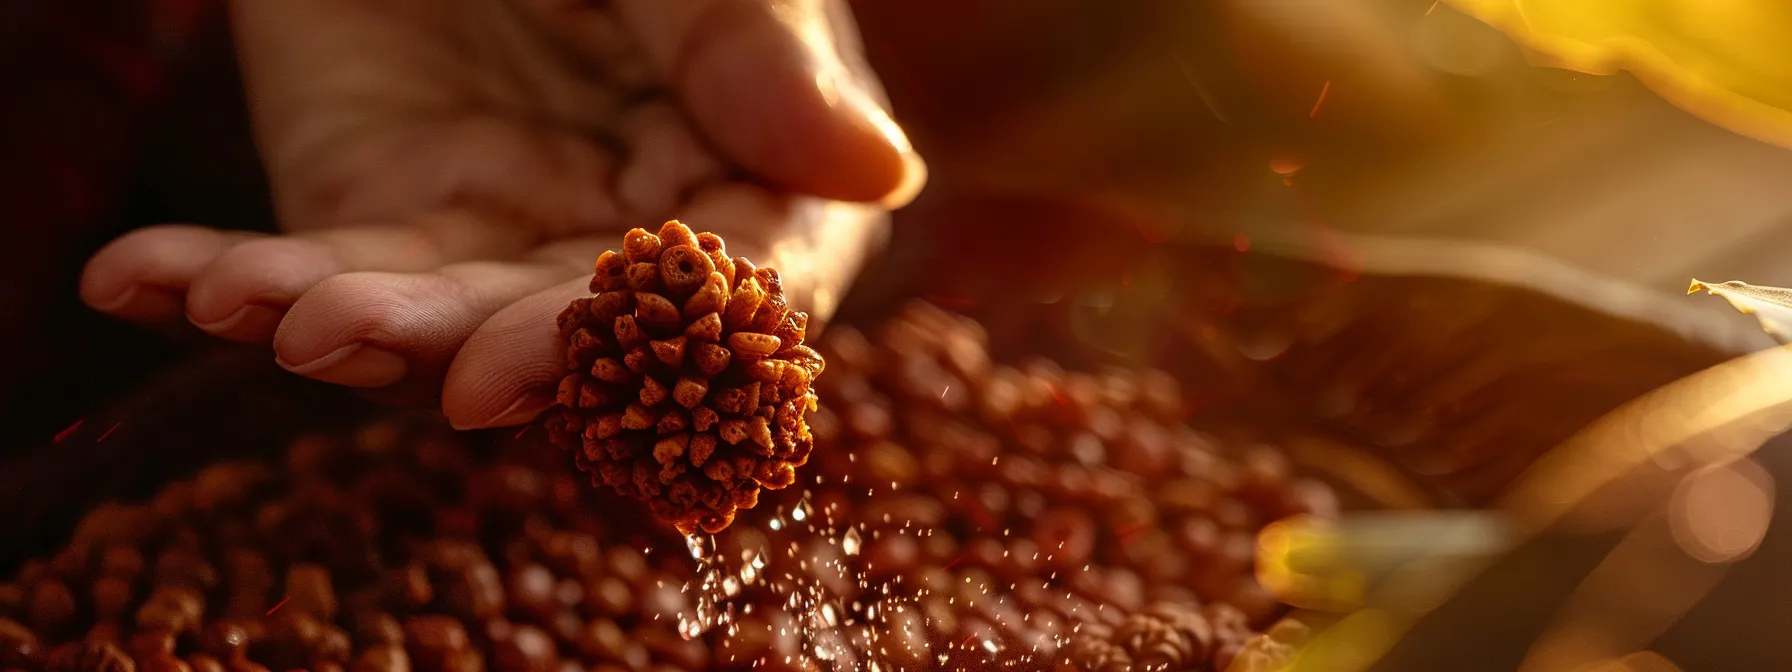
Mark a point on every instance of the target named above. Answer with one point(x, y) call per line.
point(445, 171)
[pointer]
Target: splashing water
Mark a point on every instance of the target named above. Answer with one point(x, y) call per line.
point(810, 582)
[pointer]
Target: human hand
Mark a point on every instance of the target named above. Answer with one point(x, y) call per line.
point(445, 172)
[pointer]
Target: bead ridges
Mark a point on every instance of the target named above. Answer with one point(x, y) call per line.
point(687, 381)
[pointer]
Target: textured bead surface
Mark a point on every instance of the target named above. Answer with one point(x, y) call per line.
point(687, 382)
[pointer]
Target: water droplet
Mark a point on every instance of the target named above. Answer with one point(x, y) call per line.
point(850, 542)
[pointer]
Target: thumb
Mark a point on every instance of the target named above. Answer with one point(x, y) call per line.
point(766, 81)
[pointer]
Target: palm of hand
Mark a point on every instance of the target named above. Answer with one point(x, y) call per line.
point(447, 170)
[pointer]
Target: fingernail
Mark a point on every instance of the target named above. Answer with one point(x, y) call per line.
point(520, 411)
point(914, 178)
point(355, 365)
point(252, 323)
point(914, 173)
point(117, 302)
point(856, 96)
point(139, 302)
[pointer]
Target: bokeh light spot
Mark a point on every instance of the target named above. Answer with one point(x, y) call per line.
point(1720, 513)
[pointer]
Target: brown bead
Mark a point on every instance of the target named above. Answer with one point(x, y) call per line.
point(228, 484)
point(435, 643)
point(664, 599)
point(684, 268)
point(888, 462)
point(407, 587)
point(916, 512)
point(674, 233)
point(667, 646)
point(373, 628)
point(225, 639)
point(171, 608)
point(656, 313)
point(567, 627)
point(717, 250)
point(19, 647)
point(750, 639)
point(1023, 561)
point(249, 579)
point(1235, 514)
point(89, 657)
point(610, 273)
point(1066, 536)
point(1252, 599)
point(626, 563)
point(474, 592)
point(185, 568)
point(146, 643)
point(463, 661)
point(644, 278)
point(527, 649)
point(571, 553)
point(532, 592)
point(110, 632)
point(639, 245)
point(309, 590)
point(162, 662)
point(1310, 497)
point(293, 641)
point(111, 597)
point(434, 634)
point(743, 303)
point(710, 299)
point(750, 346)
point(381, 658)
point(610, 596)
point(52, 607)
point(200, 662)
point(12, 599)
point(602, 640)
point(902, 638)
point(1263, 469)
point(121, 561)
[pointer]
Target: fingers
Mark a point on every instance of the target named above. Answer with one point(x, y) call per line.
point(144, 275)
point(238, 285)
point(246, 291)
point(506, 371)
point(766, 82)
point(384, 330)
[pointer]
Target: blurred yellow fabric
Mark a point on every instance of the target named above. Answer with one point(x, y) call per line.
point(1727, 61)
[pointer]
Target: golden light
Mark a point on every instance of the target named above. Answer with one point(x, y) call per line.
point(1720, 513)
point(1723, 60)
